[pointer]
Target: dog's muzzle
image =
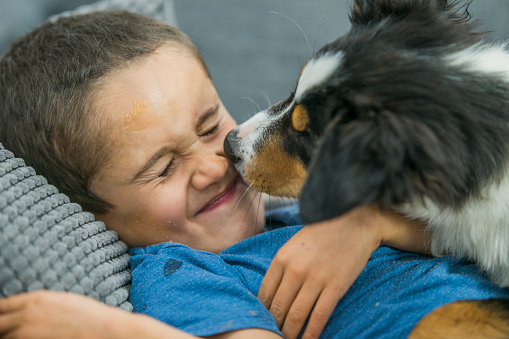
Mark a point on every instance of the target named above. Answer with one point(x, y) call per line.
point(230, 145)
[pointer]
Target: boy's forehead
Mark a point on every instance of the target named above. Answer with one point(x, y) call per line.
point(138, 96)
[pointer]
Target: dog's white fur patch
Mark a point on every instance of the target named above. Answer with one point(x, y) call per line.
point(492, 60)
point(477, 231)
point(316, 72)
point(252, 131)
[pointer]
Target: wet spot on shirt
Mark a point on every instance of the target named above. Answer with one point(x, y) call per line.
point(171, 266)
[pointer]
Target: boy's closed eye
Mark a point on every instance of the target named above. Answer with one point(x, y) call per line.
point(211, 131)
point(168, 169)
point(207, 123)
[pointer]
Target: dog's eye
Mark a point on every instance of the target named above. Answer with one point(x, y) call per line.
point(300, 119)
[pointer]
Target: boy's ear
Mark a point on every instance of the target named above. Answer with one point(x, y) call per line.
point(377, 158)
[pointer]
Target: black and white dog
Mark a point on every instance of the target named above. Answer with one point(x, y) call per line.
point(408, 110)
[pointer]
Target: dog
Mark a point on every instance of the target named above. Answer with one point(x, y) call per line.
point(409, 110)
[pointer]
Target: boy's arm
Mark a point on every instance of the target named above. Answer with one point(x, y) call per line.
point(318, 265)
point(250, 333)
point(400, 232)
point(61, 315)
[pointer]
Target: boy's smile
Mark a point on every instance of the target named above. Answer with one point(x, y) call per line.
point(168, 176)
point(222, 198)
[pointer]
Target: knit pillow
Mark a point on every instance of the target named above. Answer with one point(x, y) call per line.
point(48, 242)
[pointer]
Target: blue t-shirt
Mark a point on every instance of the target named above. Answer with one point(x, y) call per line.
point(206, 294)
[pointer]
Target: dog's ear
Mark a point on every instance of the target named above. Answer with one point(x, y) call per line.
point(371, 11)
point(377, 158)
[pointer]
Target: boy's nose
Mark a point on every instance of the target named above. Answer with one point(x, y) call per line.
point(210, 169)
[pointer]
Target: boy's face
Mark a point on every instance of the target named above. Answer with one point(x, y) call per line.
point(168, 176)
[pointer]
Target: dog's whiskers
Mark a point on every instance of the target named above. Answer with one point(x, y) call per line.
point(258, 208)
point(247, 212)
point(296, 24)
point(266, 96)
point(253, 102)
point(245, 192)
point(270, 217)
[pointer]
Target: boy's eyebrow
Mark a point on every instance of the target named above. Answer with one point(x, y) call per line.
point(163, 151)
point(201, 120)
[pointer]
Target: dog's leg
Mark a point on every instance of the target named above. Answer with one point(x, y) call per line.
point(466, 319)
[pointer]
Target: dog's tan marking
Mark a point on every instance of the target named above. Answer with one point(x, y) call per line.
point(356, 7)
point(275, 172)
point(465, 319)
point(300, 119)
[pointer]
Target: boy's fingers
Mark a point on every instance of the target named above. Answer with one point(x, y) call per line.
point(8, 323)
point(300, 310)
point(270, 284)
point(320, 315)
point(11, 304)
point(284, 298)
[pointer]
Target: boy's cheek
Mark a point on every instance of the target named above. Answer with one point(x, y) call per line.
point(171, 210)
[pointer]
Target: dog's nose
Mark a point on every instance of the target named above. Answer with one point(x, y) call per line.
point(228, 150)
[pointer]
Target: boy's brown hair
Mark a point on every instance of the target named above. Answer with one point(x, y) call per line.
point(47, 83)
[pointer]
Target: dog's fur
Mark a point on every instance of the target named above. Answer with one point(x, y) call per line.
point(408, 110)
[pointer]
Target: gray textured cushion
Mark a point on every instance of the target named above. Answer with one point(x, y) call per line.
point(48, 242)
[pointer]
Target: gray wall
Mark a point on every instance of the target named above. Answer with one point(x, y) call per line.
point(254, 54)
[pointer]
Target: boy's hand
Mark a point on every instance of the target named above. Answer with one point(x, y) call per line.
point(311, 272)
point(62, 315)
point(45, 314)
